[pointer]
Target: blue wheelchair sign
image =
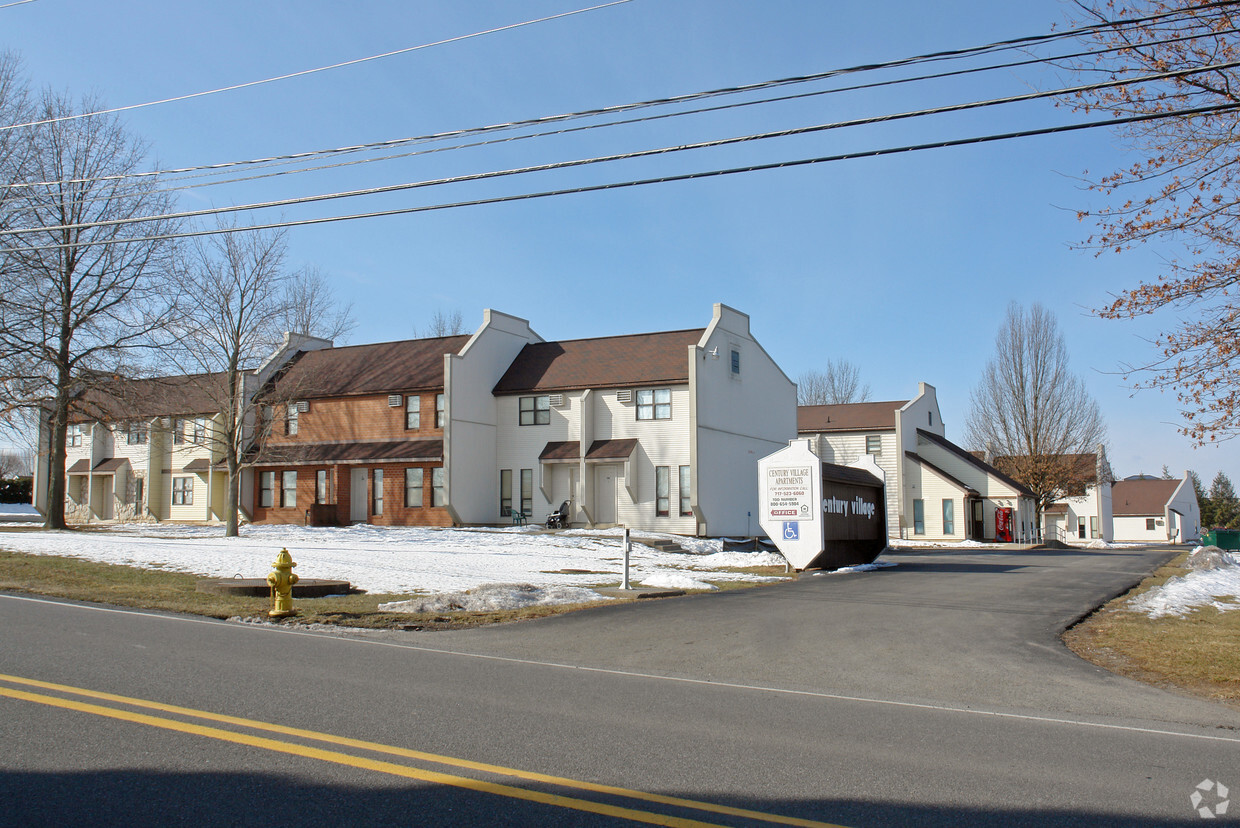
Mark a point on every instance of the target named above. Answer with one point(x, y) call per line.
point(792, 530)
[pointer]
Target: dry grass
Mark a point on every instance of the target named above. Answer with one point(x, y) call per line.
point(127, 586)
point(1196, 653)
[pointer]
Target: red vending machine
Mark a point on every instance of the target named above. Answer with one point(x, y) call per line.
point(1003, 525)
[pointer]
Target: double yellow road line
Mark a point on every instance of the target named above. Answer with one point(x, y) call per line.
point(69, 698)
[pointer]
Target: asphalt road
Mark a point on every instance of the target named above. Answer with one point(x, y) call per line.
point(934, 692)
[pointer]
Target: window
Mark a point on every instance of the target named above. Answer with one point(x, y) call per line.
point(535, 411)
point(1080, 527)
point(200, 430)
point(413, 488)
point(139, 485)
point(654, 404)
point(376, 493)
point(437, 486)
point(288, 489)
point(874, 444)
point(686, 492)
point(266, 487)
point(1093, 526)
point(930, 417)
point(505, 492)
point(73, 437)
point(413, 412)
point(290, 421)
point(440, 414)
point(527, 491)
point(661, 495)
point(736, 361)
point(178, 432)
point(182, 491)
point(320, 486)
point(135, 434)
point(1149, 524)
point(919, 517)
point(949, 517)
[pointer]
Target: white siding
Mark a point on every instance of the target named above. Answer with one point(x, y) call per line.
point(846, 448)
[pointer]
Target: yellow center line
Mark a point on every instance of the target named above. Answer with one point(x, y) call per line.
point(387, 767)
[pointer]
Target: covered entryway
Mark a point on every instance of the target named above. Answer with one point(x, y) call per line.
point(605, 492)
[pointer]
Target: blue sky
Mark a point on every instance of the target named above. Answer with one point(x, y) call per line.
point(903, 265)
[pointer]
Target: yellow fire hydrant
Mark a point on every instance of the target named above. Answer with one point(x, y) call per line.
point(281, 582)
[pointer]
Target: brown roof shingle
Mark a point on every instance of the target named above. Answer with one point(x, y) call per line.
point(117, 399)
point(1136, 498)
point(408, 365)
point(312, 454)
point(864, 416)
point(606, 362)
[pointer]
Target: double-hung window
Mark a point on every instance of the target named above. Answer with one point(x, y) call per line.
point(376, 492)
point(535, 410)
point(874, 444)
point(290, 421)
point(413, 488)
point(135, 433)
point(686, 492)
point(505, 492)
point(288, 489)
point(662, 497)
point(441, 415)
point(73, 437)
point(200, 431)
point(654, 404)
point(413, 412)
point(178, 432)
point(182, 491)
point(437, 486)
point(919, 517)
point(266, 488)
point(527, 491)
point(320, 486)
point(949, 517)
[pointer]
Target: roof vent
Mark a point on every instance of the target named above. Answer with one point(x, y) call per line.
point(303, 406)
point(395, 401)
point(556, 399)
point(625, 396)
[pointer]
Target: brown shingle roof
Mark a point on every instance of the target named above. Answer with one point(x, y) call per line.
point(606, 362)
point(611, 449)
point(119, 399)
point(311, 454)
point(561, 450)
point(1135, 498)
point(408, 365)
point(969, 458)
point(1081, 468)
point(848, 416)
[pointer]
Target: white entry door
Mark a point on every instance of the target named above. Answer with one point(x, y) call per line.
point(605, 494)
point(358, 502)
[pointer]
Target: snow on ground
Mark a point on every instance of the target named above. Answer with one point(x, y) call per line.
point(397, 560)
point(1213, 582)
point(19, 513)
point(870, 567)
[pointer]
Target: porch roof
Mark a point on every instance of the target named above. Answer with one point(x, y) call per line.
point(319, 454)
point(604, 450)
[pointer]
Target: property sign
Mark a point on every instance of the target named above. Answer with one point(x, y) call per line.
point(790, 492)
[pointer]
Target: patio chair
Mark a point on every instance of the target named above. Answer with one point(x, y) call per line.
point(559, 518)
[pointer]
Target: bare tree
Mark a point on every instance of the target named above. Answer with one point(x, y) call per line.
point(1031, 411)
point(443, 324)
point(244, 299)
point(14, 109)
point(15, 463)
point(81, 292)
point(839, 383)
point(311, 307)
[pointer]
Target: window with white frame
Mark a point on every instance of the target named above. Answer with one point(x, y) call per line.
point(320, 486)
point(949, 516)
point(74, 435)
point(505, 492)
point(534, 410)
point(686, 492)
point(919, 517)
point(290, 419)
point(874, 444)
point(413, 488)
point(376, 492)
point(1149, 524)
point(135, 433)
point(200, 431)
point(441, 414)
point(182, 491)
point(527, 491)
point(654, 404)
point(413, 412)
point(178, 432)
point(288, 489)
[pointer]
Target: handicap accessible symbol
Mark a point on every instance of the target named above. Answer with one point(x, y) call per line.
point(791, 531)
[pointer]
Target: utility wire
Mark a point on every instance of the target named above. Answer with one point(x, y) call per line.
point(876, 153)
point(560, 165)
point(304, 72)
point(18, 3)
point(1003, 45)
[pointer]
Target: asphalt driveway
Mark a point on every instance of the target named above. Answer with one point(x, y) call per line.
point(975, 629)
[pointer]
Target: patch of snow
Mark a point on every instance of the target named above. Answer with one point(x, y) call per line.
point(7, 509)
point(1099, 544)
point(870, 567)
point(1213, 582)
point(396, 560)
point(674, 580)
point(493, 597)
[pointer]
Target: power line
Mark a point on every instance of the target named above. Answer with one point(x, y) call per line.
point(876, 153)
point(304, 72)
point(998, 46)
point(560, 165)
point(18, 3)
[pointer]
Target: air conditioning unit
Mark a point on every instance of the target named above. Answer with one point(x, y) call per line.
point(625, 396)
point(395, 401)
point(556, 399)
point(303, 406)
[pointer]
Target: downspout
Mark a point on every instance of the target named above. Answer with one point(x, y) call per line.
point(695, 503)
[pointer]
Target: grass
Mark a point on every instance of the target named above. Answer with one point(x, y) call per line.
point(1195, 653)
point(127, 586)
